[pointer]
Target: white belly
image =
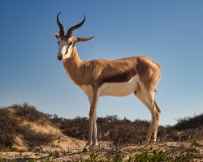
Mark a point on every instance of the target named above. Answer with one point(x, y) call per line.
point(119, 89)
point(115, 89)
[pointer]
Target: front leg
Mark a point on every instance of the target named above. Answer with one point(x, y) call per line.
point(92, 132)
point(94, 138)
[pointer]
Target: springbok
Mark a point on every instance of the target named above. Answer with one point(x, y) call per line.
point(121, 77)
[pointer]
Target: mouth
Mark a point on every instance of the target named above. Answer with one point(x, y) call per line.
point(59, 58)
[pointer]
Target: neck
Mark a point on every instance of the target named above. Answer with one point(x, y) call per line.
point(73, 67)
point(74, 57)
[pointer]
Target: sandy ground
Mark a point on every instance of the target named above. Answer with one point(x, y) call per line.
point(70, 149)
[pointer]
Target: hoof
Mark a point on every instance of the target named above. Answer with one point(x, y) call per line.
point(86, 149)
point(146, 142)
point(153, 141)
point(92, 147)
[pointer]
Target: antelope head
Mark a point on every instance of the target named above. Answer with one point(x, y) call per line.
point(67, 42)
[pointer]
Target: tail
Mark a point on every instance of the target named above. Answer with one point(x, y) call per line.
point(157, 92)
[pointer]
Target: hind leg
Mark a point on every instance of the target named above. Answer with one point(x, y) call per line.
point(158, 113)
point(148, 100)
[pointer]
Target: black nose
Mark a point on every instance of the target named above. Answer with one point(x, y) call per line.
point(59, 58)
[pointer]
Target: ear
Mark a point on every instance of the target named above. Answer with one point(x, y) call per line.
point(82, 39)
point(57, 35)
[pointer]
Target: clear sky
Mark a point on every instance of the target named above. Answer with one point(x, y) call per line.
point(168, 32)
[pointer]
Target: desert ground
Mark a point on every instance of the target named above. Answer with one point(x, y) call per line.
point(70, 149)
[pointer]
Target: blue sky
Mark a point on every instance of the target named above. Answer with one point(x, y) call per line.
point(168, 32)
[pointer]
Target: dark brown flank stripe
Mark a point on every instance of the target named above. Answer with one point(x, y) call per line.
point(122, 77)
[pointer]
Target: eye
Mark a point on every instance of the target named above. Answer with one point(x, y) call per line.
point(58, 42)
point(70, 44)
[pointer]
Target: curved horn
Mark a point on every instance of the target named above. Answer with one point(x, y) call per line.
point(61, 27)
point(70, 30)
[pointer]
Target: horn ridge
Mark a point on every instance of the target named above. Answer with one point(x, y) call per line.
point(61, 27)
point(71, 29)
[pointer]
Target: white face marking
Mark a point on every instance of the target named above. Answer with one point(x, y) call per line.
point(64, 48)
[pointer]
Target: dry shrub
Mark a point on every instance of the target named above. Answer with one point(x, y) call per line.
point(189, 122)
point(109, 128)
point(124, 131)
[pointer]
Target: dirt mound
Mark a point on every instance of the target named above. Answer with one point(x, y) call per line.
point(24, 128)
